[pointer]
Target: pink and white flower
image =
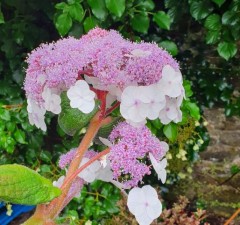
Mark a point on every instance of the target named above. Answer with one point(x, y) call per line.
point(81, 96)
point(36, 114)
point(159, 167)
point(144, 204)
point(52, 102)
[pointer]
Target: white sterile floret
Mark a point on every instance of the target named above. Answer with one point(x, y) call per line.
point(52, 102)
point(144, 204)
point(164, 145)
point(91, 172)
point(138, 53)
point(156, 100)
point(141, 102)
point(159, 167)
point(171, 82)
point(105, 173)
point(95, 82)
point(133, 105)
point(105, 141)
point(41, 79)
point(81, 96)
point(36, 114)
point(171, 111)
point(59, 182)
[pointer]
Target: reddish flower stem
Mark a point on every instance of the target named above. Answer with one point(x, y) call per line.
point(86, 72)
point(96, 157)
point(47, 212)
point(232, 217)
point(112, 108)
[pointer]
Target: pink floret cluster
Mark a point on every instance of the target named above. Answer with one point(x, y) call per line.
point(53, 65)
point(105, 53)
point(129, 153)
point(66, 159)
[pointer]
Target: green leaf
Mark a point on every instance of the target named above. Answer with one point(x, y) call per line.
point(76, 12)
point(170, 131)
point(63, 23)
point(1, 17)
point(236, 33)
point(105, 130)
point(170, 46)
point(200, 9)
point(157, 124)
point(212, 36)
point(193, 109)
point(21, 185)
point(235, 169)
point(219, 2)
point(213, 22)
point(11, 126)
point(61, 5)
point(230, 18)
point(140, 23)
point(162, 19)
point(44, 168)
point(98, 8)
point(20, 136)
point(187, 87)
point(116, 7)
point(5, 115)
point(8, 143)
point(227, 50)
point(45, 156)
point(73, 120)
point(89, 23)
point(148, 5)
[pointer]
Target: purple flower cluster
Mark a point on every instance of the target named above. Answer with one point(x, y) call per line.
point(129, 153)
point(67, 158)
point(105, 53)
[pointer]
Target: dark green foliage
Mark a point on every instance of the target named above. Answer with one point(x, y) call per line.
point(97, 202)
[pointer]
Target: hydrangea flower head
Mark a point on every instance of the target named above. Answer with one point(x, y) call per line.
point(142, 76)
point(129, 151)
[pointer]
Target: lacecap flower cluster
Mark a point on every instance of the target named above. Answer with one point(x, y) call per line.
point(142, 77)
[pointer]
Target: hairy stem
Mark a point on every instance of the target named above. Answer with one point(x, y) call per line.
point(50, 211)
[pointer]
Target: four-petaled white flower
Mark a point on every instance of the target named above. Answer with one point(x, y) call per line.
point(52, 102)
point(159, 167)
point(171, 111)
point(171, 82)
point(133, 107)
point(105, 173)
point(141, 102)
point(144, 204)
point(36, 114)
point(96, 171)
point(90, 173)
point(81, 96)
